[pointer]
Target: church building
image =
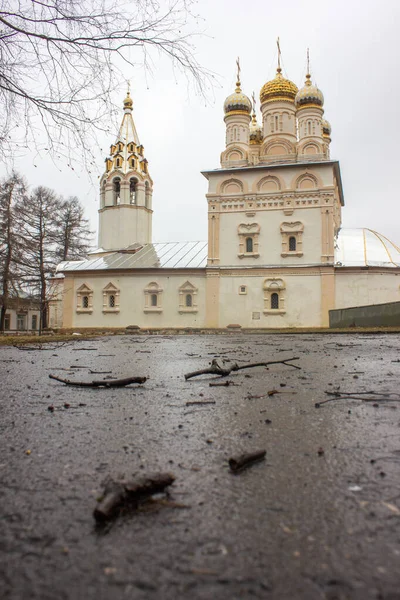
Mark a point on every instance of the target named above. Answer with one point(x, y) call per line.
point(276, 255)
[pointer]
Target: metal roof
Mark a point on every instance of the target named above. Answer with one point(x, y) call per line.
point(354, 248)
point(365, 248)
point(167, 255)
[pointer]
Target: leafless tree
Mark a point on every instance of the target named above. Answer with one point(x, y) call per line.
point(38, 226)
point(12, 191)
point(74, 233)
point(61, 59)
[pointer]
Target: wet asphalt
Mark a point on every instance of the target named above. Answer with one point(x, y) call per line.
point(319, 518)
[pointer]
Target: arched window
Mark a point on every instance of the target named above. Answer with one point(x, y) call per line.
point(274, 300)
point(153, 298)
point(132, 190)
point(276, 123)
point(309, 127)
point(111, 301)
point(188, 298)
point(292, 244)
point(147, 194)
point(117, 190)
point(84, 299)
point(132, 163)
point(249, 244)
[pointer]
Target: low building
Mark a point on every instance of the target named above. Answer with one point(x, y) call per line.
point(23, 314)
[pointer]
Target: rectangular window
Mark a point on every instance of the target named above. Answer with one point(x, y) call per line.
point(34, 321)
point(7, 322)
point(21, 322)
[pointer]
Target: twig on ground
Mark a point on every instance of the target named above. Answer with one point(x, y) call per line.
point(237, 463)
point(224, 368)
point(105, 383)
point(200, 402)
point(226, 383)
point(87, 349)
point(269, 394)
point(118, 494)
point(370, 396)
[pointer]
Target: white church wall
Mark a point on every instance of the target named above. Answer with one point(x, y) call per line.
point(133, 303)
point(286, 177)
point(270, 237)
point(299, 302)
point(120, 225)
point(358, 288)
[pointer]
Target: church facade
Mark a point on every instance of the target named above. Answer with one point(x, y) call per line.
point(276, 255)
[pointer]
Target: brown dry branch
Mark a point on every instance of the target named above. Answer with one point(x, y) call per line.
point(200, 402)
point(370, 396)
point(238, 463)
point(106, 383)
point(225, 367)
point(119, 494)
point(268, 394)
point(41, 347)
point(226, 383)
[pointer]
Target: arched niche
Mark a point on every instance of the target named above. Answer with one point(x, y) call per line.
point(269, 184)
point(231, 186)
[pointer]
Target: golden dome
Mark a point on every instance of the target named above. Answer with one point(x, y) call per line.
point(278, 89)
point(128, 103)
point(237, 102)
point(309, 95)
point(255, 131)
point(326, 128)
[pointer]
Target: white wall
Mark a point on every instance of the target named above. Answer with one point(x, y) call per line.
point(359, 288)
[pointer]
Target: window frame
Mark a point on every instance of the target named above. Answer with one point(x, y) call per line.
point(109, 291)
point(84, 291)
point(272, 286)
point(247, 231)
point(153, 289)
point(292, 229)
point(186, 289)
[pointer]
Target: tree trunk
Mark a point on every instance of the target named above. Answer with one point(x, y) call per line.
point(7, 262)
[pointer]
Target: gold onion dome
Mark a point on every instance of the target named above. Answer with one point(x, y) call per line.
point(128, 102)
point(278, 89)
point(326, 128)
point(237, 102)
point(309, 94)
point(255, 131)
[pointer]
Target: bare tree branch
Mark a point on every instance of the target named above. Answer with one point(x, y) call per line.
point(60, 61)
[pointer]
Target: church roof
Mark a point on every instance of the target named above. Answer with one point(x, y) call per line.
point(365, 248)
point(127, 131)
point(354, 248)
point(160, 255)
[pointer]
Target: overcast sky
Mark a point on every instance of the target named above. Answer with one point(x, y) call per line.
point(355, 61)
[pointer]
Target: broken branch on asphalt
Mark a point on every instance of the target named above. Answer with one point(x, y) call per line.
point(269, 394)
point(120, 494)
point(224, 368)
point(105, 383)
point(238, 463)
point(226, 383)
point(370, 396)
point(199, 402)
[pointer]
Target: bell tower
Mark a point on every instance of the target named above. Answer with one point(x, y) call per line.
point(125, 214)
